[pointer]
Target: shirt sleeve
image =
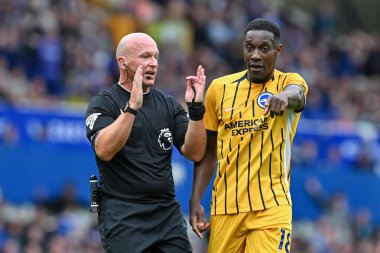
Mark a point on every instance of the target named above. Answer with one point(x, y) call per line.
point(211, 119)
point(295, 78)
point(98, 116)
point(181, 121)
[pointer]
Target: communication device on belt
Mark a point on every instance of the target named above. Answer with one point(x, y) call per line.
point(94, 201)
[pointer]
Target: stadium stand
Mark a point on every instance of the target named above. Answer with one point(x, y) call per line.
point(54, 55)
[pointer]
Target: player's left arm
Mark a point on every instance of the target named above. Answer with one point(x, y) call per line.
point(292, 97)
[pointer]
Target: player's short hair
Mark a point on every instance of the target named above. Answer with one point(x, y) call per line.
point(265, 25)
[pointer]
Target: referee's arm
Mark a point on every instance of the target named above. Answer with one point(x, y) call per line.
point(195, 138)
point(195, 141)
point(112, 138)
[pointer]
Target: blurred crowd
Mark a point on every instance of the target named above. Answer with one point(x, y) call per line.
point(64, 225)
point(63, 50)
point(337, 228)
point(61, 225)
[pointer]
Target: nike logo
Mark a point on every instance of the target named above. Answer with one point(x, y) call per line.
point(229, 109)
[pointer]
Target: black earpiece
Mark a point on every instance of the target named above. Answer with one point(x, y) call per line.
point(126, 69)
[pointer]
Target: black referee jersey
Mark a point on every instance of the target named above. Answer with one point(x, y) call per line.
point(141, 171)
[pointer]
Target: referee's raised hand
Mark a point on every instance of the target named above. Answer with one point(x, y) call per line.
point(195, 86)
point(136, 99)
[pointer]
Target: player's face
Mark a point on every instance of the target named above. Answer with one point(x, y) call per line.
point(260, 53)
point(145, 53)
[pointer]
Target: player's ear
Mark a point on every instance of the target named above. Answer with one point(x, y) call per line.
point(278, 49)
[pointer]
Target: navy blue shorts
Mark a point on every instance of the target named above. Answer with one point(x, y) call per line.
point(127, 227)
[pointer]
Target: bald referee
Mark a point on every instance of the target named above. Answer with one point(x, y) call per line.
point(133, 128)
point(251, 119)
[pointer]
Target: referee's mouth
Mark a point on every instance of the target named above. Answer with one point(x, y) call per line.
point(150, 75)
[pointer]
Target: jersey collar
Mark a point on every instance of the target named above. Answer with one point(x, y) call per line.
point(129, 90)
point(245, 76)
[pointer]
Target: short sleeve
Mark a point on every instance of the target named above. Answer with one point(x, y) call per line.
point(210, 119)
point(98, 116)
point(295, 78)
point(181, 121)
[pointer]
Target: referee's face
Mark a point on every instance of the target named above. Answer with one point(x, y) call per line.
point(260, 53)
point(144, 52)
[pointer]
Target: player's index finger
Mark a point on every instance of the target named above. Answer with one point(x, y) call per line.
point(267, 102)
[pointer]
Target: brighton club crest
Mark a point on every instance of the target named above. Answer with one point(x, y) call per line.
point(262, 99)
point(165, 139)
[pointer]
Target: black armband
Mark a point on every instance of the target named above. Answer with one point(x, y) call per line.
point(196, 110)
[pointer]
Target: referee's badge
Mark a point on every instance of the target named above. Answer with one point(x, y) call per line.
point(165, 139)
point(90, 121)
point(262, 99)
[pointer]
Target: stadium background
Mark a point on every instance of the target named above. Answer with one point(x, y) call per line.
point(54, 55)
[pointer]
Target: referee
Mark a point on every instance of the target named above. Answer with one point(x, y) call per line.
point(132, 128)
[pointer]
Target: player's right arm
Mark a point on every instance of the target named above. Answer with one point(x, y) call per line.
point(203, 172)
point(111, 139)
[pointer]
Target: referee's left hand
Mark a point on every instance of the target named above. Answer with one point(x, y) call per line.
point(195, 86)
